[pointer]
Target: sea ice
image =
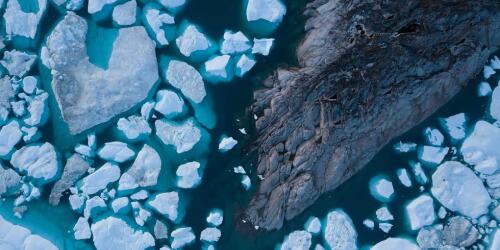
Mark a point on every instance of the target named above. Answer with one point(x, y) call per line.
point(182, 237)
point(187, 79)
point(370, 224)
point(30, 85)
point(16, 237)
point(297, 240)
point(38, 110)
point(9, 180)
point(188, 174)
point(383, 214)
point(404, 177)
point(246, 182)
point(484, 89)
point(134, 128)
point(76, 202)
point(194, 44)
point(144, 171)
point(339, 231)
point(74, 169)
point(82, 229)
point(385, 227)
point(381, 189)
point(432, 156)
point(116, 151)
point(39, 162)
point(421, 212)
point(482, 144)
point(215, 217)
point(20, 23)
point(405, 147)
point(210, 234)
point(95, 6)
point(313, 225)
point(169, 104)
point(100, 179)
point(125, 13)
point(172, 5)
point(166, 204)
point(140, 195)
point(457, 188)
point(71, 5)
point(159, 23)
point(243, 65)
point(227, 143)
point(488, 72)
point(262, 46)
point(160, 230)
point(218, 69)
point(234, 43)
point(495, 242)
point(272, 11)
point(183, 136)
point(10, 135)
point(17, 63)
point(120, 205)
point(93, 207)
point(115, 233)
point(433, 136)
point(395, 244)
point(141, 215)
point(454, 126)
point(419, 173)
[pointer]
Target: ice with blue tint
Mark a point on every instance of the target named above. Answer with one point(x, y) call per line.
point(10, 136)
point(116, 151)
point(381, 188)
point(17, 63)
point(134, 128)
point(182, 237)
point(262, 46)
point(481, 146)
point(125, 14)
point(20, 23)
point(169, 104)
point(210, 234)
point(313, 225)
point(115, 233)
point(340, 232)
point(182, 136)
point(297, 240)
point(39, 162)
point(166, 204)
point(144, 172)
point(235, 43)
point(16, 237)
point(432, 156)
point(495, 104)
point(193, 44)
point(82, 229)
point(404, 177)
point(160, 24)
point(455, 126)
point(185, 78)
point(243, 65)
point(227, 143)
point(218, 69)
point(395, 244)
point(100, 179)
point(421, 212)
point(264, 16)
point(188, 175)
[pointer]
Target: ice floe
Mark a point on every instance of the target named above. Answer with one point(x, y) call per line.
point(144, 171)
point(134, 128)
point(74, 169)
point(187, 79)
point(182, 237)
point(166, 204)
point(115, 233)
point(218, 69)
point(82, 229)
point(100, 179)
point(262, 46)
point(10, 136)
point(189, 175)
point(16, 62)
point(339, 231)
point(169, 104)
point(395, 244)
point(313, 225)
point(215, 217)
point(39, 162)
point(182, 136)
point(159, 23)
point(193, 44)
point(481, 145)
point(227, 143)
point(210, 234)
point(421, 212)
point(432, 156)
point(235, 43)
point(455, 126)
point(116, 151)
point(381, 189)
point(297, 240)
point(404, 177)
point(125, 13)
point(20, 23)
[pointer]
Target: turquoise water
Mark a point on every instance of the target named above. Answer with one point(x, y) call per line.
point(226, 110)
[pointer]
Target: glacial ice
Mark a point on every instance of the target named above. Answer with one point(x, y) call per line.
point(10, 135)
point(17, 63)
point(160, 24)
point(271, 11)
point(144, 171)
point(418, 172)
point(30, 85)
point(227, 143)
point(313, 225)
point(210, 234)
point(38, 110)
point(134, 128)
point(421, 212)
point(457, 188)
point(185, 78)
point(166, 204)
point(381, 189)
point(215, 217)
point(17, 237)
point(243, 65)
point(139, 195)
point(160, 230)
point(383, 214)
point(126, 13)
point(404, 177)
point(173, 5)
point(339, 231)
point(39, 162)
point(433, 136)
point(218, 69)
point(455, 126)
point(262, 46)
point(488, 72)
point(405, 147)
point(246, 182)
point(182, 237)
point(297, 240)
point(115, 233)
point(482, 144)
point(76, 202)
point(193, 44)
point(395, 244)
point(370, 224)
point(183, 136)
point(189, 175)
point(9, 180)
point(82, 229)
point(169, 104)
point(495, 242)
point(385, 227)
point(100, 179)
point(116, 151)
point(141, 215)
point(72, 5)
point(20, 23)
point(95, 6)
point(120, 205)
point(432, 156)
point(234, 43)
point(93, 207)
point(484, 89)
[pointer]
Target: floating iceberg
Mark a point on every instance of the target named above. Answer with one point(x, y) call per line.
point(189, 175)
point(183, 136)
point(395, 244)
point(166, 204)
point(433, 136)
point(457, 188)
point(432, 156)
point(160, 230)
point(182, 237)
point(169, 104)
point(193, 44)
point(227, 143)
point(82, 229)
point(264, 16)
point(95, 6)
point(484, 89)
point(17, 63)
point(159, 24)
point(313, 225)
point(9, 181)
point(115, 233)
point(243, 65)
point(215, 217)
point(405, 147)
point(39, 162)
point(210, 234)
point(482, 144)
point(455, 126)
point(381, 189)
point(185, 78)
point(383, 214)
point(404, 177)
point(421, 212)
point(10, 135)
point(134, 128)
point(121, 205)
point(100, 179)
point(262, 46)
point(38, 110)
point(93, 207)
point(125, 14)
point(20, 23)
point(339, 231)
point(218, 69)
point(144, 171)
point(234, 43)
point(297, 240)
point(116, 151)
point(17, 237)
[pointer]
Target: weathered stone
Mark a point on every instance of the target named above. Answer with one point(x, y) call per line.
point(88, 95)
point(460, 232)
point(74, 169)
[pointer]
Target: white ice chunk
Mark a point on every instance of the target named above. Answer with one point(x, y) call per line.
point(495, 62)
point(235, 43)
point(442, 213)
point(484, 89)
point(30, 84)
point(94, 206)
point(457, 188)
point(37, 110)
point(340, 232)
point(82, 229)
point(385, 227)
point(381, 189)
point(215, 217)
point(169, 103)
point(141, 215)
point(20, 23)
point(421, 212)
point(156, 21)
point(76, 202)
point(172, 4)
point(100, 179)
point(454, 126)
point(97, 5)
point(243, 65)
point(189, 175)
point(395, 244)
point(419, 173)
point(125, 14)
point(297, 240)
point(495, 104)
point(227, 143)
point(217, 68)
point(17, 63)
point(116, 151)
point(313, 225)
point(405, 147)
point(433, 136)
point(166, 204)
point(482, 144)
point(134, 127)
point(495, 242)
point(370, 224)
point(183, 136)
point(383, 214)
point(187, 79)
point(192, 40)
point(114, 233)
point(144, 171)
point(160, 230)
point(488, 72)
point(404, 177)
point(120, 205)
point(432, 156)
point(239, 170)
point(269, 10)
point(36, 242)
point(262, 46)
point(210, 234)
point(10, 135)
point(182, 237)
point(246, 182)
point(37, 161)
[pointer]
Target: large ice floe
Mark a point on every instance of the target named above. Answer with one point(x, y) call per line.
point(13, 237)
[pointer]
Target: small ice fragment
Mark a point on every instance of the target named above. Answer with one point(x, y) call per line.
point(495, 62)
point(84, 150)
point(94, 206)
point(385, 227)
point(147, 110)
point(488, 72)
point(218, 69)
point(246, 182)
point(227, 143)
point(484, 89)
point(144, 171)
point(166, 204)
point(140, 195)
point(169, 104)
point(369, 224)
point(383, 214)
point(405, 147)
point(215, 217)
point(482, 145)
point(82, 229)
point(432, 156)
point(313, 225)
point(433, 136)
point(38, 110)
point(120, 205)
point(141, 215)
point(189, 175)
point(134, 128)
point(404, 177)
point(454, 126)
point(159, 24)
point(20, 23)
point(421, 212)
point(193, 41)
point(210, 234)
point(442, 213)
point(262, 46)
point(100, 179)
point(10, 135)
point(235, 43)
point(297, 240)
point(239, 170)
point(395, 244)
point(172, 4)
point(116, 151)
point(339, 231)
point(76, 202)
point(419, 172)
point(183, 136)
point(16, 62)
point(30, 84)
point(243, 65)
point(31, 134)
point(243, 131)
point(95, 6)
point(125, 13)
point(182, 237)
point(381, 189)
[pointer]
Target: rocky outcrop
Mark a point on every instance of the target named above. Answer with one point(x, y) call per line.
point(74, 169)
point(369, 71)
